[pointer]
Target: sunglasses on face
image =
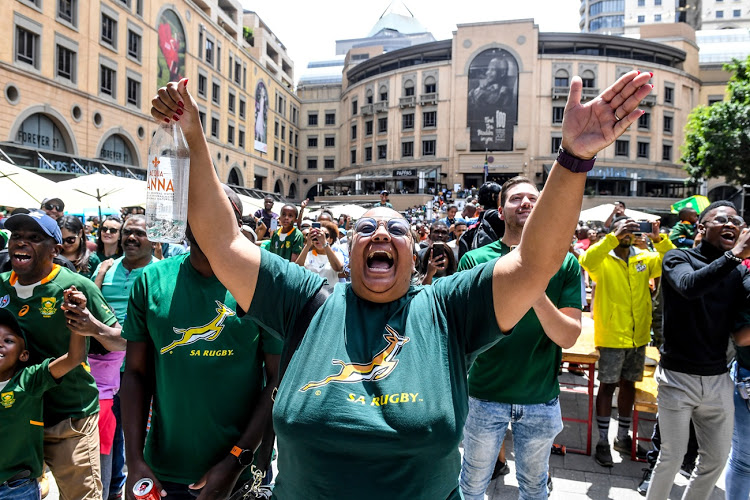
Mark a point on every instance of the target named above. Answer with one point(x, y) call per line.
point(721, 220)
point(51, 206)
point(395, 227)
point(70, 240)
point(110, 230)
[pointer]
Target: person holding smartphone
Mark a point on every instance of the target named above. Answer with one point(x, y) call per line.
point(319, 254)
point(437, 259)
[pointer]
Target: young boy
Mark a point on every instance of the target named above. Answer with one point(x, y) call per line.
point(683, 233)
point(287, 241)
point(21, 390)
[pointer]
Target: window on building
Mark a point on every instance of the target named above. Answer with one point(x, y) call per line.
point(430, 85)
point(736, 13)
point(280, 105)
point(383, 94)
point(230, 134)
point(641, 3)
point(657, 18)
point(282, 159)
point(407, 121)
point(134, 92)
point(202, 117)
point(312, 119)
point(556, 143)
point(312, 163)
point(231, 100)
point(382, 125)
point(644, 121)
point(562, 79)
point(291, 136)
point(109, 30)
point(429, 119)
point(353, 156)
point(241, 140)
point(291, 158)
point(368, 153)
point(238, 72)
point(668, 121)
point(328, 163)
point(657, 2)
point(666, 152)
point(243, 105)
point(66, 63)
point(202, 83)
point(557, 114)
point(27, 47)
point(719, 14)
point(209, 52)
point(588, 79)
point(67, 10)
point(428, 148)
point(276, 129)
point(134, 45)
point(283, 132)
point(354, 131)
point(382, 151)
point(641, 19)
point(643, 149)
point(622, 147)
point(107, 80)
point(668, 95)
point(329, 142)
point(368, 97)
point(215, 93)
point(330, 118)
point(368, 127)
point(218, 57)
point(408, 88)
point(214, 127)
point(312, 141)
point(355, 109)
point(407, 149)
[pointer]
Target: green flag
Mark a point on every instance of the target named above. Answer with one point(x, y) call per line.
point(697, 203)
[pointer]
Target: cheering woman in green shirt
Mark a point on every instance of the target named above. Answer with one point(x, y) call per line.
point(374, 400)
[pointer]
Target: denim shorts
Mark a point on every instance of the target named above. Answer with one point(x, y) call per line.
point(617, 364)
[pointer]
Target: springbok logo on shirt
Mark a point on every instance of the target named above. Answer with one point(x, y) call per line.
point(210, 331)
point(379, 368)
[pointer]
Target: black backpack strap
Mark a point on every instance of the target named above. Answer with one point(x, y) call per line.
point(265, 450)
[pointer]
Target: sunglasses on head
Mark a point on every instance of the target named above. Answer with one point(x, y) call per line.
point(396, 227)
point(110, 230)
point(53, 206)
point(70, 240)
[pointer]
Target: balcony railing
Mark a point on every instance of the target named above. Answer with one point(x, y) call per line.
point(407, 102)
point(649, 100)
point(366, 109)
point(381, 107)
point(562, 93)
point(430, 98)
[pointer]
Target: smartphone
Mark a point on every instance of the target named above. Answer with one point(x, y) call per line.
point(274, 225)
point(644, 227)
point(438, 249)
point(316, 224)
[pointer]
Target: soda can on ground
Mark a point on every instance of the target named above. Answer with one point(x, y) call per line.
point(144, 490)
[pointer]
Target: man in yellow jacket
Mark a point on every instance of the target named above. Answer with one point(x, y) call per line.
point(622, 322)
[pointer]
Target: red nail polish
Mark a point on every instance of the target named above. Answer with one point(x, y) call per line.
point(175, 117)
point(186, 80)
point(179, 112)
point(652, 75)
point(639, 72)
point(652, 85)
point(166, 120)
point(181, 104)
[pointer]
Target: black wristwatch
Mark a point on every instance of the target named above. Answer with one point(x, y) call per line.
point(244, 457)
point(729, 255)
point(573, 163)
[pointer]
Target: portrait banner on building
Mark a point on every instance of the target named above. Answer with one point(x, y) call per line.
point(171, 52)
point(261, 118)
point(492, 108)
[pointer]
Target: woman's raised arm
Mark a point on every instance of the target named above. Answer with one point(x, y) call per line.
point(522, 276)
point(234, 259)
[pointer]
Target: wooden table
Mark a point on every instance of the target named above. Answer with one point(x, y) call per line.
point(585, 353)
point(645, 400)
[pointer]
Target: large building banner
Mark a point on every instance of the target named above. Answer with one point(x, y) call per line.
point(261, 118)
point(492, 109)
point(171, 55)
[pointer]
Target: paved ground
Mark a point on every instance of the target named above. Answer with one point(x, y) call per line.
point(576, 477)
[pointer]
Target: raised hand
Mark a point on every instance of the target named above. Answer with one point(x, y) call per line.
point(174, 102)
point(589, 128)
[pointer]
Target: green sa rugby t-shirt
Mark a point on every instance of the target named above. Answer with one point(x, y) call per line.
point(374, 400)
point(21, 427)
point(37, 309)
point(207, 366)
point(286, 244)
point(522, 368)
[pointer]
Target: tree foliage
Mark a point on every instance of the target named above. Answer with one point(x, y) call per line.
point(717, 137)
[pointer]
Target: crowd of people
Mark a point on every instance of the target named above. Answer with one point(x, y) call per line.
point(119, 354)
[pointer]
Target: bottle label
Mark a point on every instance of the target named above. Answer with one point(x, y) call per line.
point(160, 187)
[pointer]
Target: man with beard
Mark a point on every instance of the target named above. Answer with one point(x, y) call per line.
point(515, 381)
point(704, 290)
point(622, 322)
point(189, 351)
point(115, 278)
point(33, 292)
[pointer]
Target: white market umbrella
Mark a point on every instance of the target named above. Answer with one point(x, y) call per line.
point(602, 212)
point(104, 191)
point(20, 187)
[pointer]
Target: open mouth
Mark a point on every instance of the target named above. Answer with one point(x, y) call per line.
point(728, 236)
point(380, 260)
point(21, 257)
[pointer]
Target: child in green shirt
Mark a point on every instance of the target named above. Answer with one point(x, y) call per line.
point(21, 390)
point(287, 241)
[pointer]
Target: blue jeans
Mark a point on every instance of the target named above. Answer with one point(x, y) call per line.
point(22, 489)
point(534, 429)
point(118, 454)
point(738, 468)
